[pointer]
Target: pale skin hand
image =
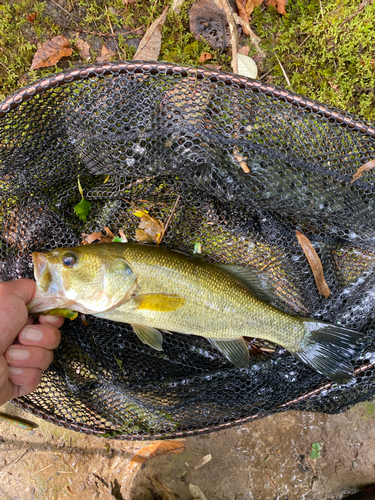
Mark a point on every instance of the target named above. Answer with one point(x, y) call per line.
point(21, 363)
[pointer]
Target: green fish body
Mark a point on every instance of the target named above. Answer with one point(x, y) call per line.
point(155, 289)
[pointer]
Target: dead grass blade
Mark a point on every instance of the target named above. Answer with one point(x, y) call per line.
point(315, 264)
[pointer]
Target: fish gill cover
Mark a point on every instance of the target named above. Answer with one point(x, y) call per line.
point(250, 165)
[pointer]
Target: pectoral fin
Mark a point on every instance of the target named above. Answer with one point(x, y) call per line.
point(161, 302)
point(235, 350)
point(149, 336)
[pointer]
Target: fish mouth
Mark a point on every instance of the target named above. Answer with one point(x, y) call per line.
point(40, 264)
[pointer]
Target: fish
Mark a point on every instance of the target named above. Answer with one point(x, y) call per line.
point(157, 289)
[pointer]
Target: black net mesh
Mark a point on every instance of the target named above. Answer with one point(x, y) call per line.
point(251, 164)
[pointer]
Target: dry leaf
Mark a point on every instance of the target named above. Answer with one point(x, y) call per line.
point(176, 4)
point(83, 48)
point(150, 45)
point(247, 66)
point(196, 492)
point(154, 450)
point(51, 52)
point(244, 50)
point(106, 54)
point(241, 160)
point(150, 230)
point(205, 57)
point(243, 15)
point(31, 17)
point(250, 6)
point(280, 4)
point(365, 168)
point(315, 264)
point(208, 21)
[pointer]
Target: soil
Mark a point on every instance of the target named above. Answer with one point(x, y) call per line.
point(265, 459)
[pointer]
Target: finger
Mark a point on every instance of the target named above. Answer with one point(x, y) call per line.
point(13, 312)
point(6, 388)
point(46, 336)
point(29, 357)
point(24, 380)
point(51, 320)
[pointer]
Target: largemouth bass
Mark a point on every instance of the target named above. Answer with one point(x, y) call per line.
point(155, 289)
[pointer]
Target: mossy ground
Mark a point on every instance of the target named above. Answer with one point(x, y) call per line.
point(327, 57)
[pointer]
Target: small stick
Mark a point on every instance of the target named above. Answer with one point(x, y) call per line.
point(169, 218)
point(62, 8)
point(152, 13)
point(321, 9)
point(283, 70)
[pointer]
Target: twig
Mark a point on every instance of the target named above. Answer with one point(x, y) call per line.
point(271, 481)
point(321, 9)
point(360, 8)
point(14, 461)
point(2, 64)
point(254, 39)
point(96, 33)
point(152, 13)
point(224, 4)
point(169, 218)
point(62, 8)
point(283, 70)
point(113, 33)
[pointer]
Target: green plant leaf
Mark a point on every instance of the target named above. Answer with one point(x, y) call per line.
point(82, 208)
point(316, 448)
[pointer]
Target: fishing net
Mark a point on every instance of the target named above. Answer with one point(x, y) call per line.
point(248, 164)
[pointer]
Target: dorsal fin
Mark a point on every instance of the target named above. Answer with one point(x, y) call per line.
point(257, 282)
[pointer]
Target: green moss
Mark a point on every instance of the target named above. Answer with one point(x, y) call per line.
point(329, 59)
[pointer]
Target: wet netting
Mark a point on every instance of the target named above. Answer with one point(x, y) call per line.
point(249, 164)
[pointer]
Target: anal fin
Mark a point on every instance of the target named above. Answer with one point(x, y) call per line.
point(235, 350)
point(150, 336)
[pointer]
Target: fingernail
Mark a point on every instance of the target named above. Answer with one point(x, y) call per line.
point(18, 354)
point(31, 334)
point(52, 320)
point(14, 370)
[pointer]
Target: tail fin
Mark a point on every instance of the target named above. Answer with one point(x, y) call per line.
point(329, 349)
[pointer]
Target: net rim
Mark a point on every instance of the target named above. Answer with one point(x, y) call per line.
point(154, 67)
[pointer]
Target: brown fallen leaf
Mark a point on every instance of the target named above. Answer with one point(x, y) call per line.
point(250, 6)
point(208, 20)
point(150, 45)
point(51, 52)
point(244, 50)
point(31, 17)
point(83, 48)
point(150, 229)
point(280, 4)
point(315, 264)
point(154, 450)
point(106, 54)
point(243, 15)
point(205, 57)
point(364, 168)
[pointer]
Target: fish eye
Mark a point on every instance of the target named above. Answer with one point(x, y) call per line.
point(69, 259)
point(128, 271)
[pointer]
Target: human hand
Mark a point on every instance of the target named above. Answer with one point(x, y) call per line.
point(22, 360)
